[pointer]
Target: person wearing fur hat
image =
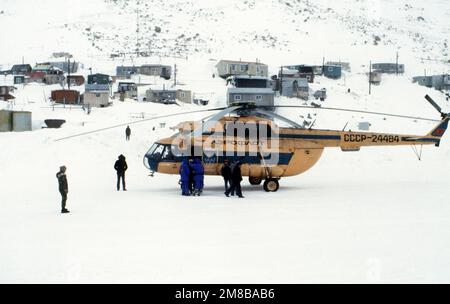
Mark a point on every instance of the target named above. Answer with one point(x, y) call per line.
point(63, 187)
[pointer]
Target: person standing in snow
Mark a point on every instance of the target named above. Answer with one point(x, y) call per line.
point(236, 179)
point(127, 133)
point(63, 187)
point(226, 174)
point(121, 167)
point(198, 173)
point(185, 178)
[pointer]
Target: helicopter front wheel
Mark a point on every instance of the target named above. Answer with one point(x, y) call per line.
point(271, 185)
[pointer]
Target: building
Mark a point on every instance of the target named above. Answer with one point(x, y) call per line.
point(64, 66)
point(245, 81)
point(227, 68)
point(71, 97)
point(97, 99)
point(128, 90)
point(375, 78)
point(19, 79)
point(298, 71)
point(97, 91)
point(126, 71)
point(43, 67)
point(426, 81)
point(36, 77)
point(169, 96)
point(295, 87)
point(5, 121)
point(21, 121)
point(388, 68)
point(46, 73)
point(439, 82)
point(344, 65)
point(332, 71)
point(163, 71)
point(76, 80)
point(98, 82)
point(21, 69)
point(260, 96)
point(5, 93)
point(17, 121)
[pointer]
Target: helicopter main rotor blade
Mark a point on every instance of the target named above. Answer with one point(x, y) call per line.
point(357, 111)
point(136, 122)
point(214, 119)
point(282, 118)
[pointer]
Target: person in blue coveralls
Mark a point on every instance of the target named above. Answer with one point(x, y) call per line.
point(185, 174)
point(198, 173)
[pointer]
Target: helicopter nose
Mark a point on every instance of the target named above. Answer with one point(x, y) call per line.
point(152, 163)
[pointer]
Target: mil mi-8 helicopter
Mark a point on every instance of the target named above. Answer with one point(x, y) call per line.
point(269, 153)
point(247, 133)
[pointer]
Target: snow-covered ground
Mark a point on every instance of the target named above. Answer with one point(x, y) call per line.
point(376, 216)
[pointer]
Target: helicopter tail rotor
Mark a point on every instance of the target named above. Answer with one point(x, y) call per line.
point(436, 106)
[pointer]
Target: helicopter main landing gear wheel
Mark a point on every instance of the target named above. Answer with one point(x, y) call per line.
point(271, 185)
point(255, 181)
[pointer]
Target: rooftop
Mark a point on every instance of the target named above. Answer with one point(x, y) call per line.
point(251, 90)
point(238, 61)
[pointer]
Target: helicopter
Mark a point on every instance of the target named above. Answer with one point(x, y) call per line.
point(247, 133)
point(266, 151)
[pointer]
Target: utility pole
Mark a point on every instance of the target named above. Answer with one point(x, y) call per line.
point(281, 81)
point(68, 74)
point(323, 65)
point(370, 79)
point(396, 65)
point(175, 75)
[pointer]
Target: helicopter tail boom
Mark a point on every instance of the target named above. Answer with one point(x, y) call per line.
point(440, 130)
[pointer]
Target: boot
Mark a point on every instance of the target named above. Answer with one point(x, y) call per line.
point(65, 211)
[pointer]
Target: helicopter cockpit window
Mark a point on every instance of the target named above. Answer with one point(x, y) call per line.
point(157, 152)
point(167, 154)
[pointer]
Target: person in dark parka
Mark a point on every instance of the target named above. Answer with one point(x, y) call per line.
point(121, 167)
point(63, 187)
point(128, 133)
point(198, 173)
point(236, 179)
point(185, 178)
point(226, 174)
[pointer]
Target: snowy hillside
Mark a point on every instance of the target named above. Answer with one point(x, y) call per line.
point(379, 215)
point(302, 30)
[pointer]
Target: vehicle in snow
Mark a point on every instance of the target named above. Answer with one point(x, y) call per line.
point(267, 151)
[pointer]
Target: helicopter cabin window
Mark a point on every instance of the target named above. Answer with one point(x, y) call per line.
point(237, 97)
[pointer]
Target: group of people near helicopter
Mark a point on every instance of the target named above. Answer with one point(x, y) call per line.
point(192, 177)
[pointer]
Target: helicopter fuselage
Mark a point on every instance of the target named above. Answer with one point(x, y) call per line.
point(284, 152)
